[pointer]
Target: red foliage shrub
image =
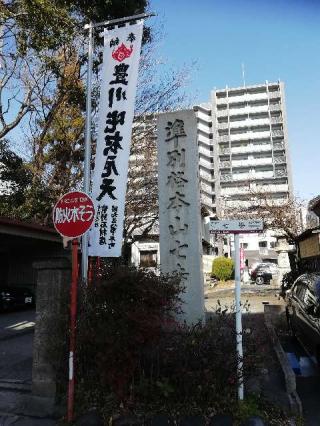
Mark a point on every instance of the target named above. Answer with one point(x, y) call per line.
point(122, 316)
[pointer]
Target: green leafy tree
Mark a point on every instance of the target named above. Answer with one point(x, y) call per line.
point(42, 70)
point(222, 268)
point(48, 39)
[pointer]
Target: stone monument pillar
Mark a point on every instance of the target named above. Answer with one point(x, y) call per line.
point(53, 284)
point(283, 249)
point(179, 207)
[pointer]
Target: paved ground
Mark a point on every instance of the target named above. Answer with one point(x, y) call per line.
point(307, 373)
point(16, 338)
point(16, 358)
point(16, 322)
point(253, 297)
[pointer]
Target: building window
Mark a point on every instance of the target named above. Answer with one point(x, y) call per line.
point(148, 259)
point(244, 245)
point(263, 244)
point(272, 244)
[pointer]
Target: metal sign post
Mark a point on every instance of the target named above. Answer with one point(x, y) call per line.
point(73, 216)
point(237, 227)
point(87, 149)
point(73, 322)
point(238, 315)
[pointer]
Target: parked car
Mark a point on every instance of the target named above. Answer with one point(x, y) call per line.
point(14, 297)
point(264, 272)
point(303, 311)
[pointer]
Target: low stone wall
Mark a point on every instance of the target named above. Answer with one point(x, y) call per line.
point(53, 284)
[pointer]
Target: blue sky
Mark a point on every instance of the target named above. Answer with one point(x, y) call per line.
point(274, 39)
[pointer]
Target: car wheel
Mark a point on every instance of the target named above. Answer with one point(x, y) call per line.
point(259, 280)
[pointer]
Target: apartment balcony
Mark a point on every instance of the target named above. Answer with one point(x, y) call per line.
point(225, 164)
point(272, 188)
point(276, 120)
point(234, 191)
point(221, 101)
point(274, 95)
point(205, 151)
point(248, 97)
point(275, 107)
point(223, 126)
point(251, 148)
point(224, 138)
point(204, 116)
point(222, 113)
point(279, 160)
point(237, 204)
point(206, 188)
point(277, 133)
point(250, 123)
point(280, 173)
point(207, 164)
point(253, 175)
point(278, 146)
point(248, 109)
point(206, 200)
point(204, 127)
point(252, 162)
point(263, 175)
point(206, 176)
point(250, 135)
point(226, 177)
point(224, 151)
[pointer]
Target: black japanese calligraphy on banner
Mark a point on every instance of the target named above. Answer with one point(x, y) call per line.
point(116, 110)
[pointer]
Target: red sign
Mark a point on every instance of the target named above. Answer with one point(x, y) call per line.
point(241, 258)
point(73, 214)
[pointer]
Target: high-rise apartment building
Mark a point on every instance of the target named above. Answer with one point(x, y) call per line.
point(250, 153)
point(206, 156)
point(251, 144)
point(243, 151)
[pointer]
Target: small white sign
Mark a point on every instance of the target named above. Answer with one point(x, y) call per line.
point(235, 226)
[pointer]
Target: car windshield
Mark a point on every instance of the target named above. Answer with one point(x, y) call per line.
point(264, 266)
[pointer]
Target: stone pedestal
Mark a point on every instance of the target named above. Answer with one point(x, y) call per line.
point(53, 284)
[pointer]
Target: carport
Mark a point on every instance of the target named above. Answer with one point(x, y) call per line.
point(22, 244)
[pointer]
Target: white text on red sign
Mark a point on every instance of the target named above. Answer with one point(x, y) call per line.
point(73, 214)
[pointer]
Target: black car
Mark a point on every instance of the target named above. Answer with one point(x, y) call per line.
point(263, 273)
point(303, 311)
point(15, 297)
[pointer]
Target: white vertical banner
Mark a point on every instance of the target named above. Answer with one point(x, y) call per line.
point(117, 98)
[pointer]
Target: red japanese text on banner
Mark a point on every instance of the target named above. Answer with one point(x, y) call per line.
point(117, 97)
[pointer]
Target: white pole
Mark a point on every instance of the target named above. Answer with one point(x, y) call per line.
point(238, 315)
point(87, 148)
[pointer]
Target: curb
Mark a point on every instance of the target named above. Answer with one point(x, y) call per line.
point(289, 376)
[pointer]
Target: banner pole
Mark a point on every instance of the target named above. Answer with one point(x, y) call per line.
point(238, 316)
point(73, 321)
point(87, 149)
